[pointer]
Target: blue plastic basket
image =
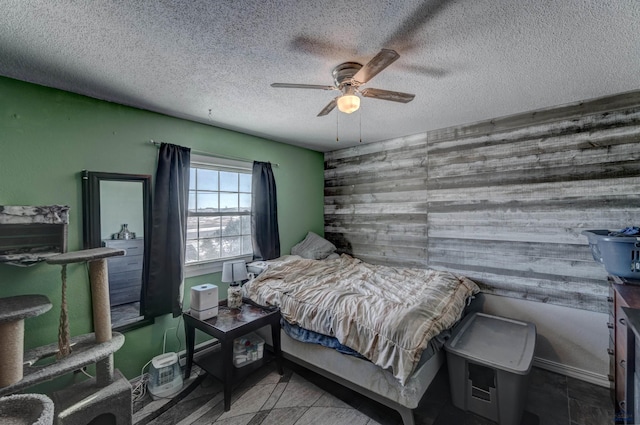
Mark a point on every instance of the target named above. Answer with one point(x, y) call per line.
point(619, 254)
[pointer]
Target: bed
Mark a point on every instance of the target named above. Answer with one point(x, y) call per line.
point(395, 321)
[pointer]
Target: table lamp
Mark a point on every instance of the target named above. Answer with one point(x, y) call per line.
point(234, 272)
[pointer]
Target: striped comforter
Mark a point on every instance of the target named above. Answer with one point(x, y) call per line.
point(387, 314)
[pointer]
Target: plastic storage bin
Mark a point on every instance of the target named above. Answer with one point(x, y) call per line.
point(247, 349)
point(489, 359)
point(619, 254)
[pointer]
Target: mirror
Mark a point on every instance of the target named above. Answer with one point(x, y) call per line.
point(116, 213)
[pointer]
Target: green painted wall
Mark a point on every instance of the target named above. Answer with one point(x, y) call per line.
point(48, 136)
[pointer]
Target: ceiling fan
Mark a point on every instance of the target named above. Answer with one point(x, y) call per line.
point(349, 76)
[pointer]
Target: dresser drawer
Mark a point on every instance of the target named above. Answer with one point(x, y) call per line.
point(123, 264)
point(130, 277)
point(612, 360)
point(611, 324)
point(621, 334)
point(125, 287)
point(611, 297)
point(125, 272)
point(124, 295)
point(132, 246)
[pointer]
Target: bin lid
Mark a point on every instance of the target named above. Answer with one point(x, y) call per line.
point(500, 342)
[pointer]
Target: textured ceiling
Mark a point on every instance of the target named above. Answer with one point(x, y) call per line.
point(213, 61)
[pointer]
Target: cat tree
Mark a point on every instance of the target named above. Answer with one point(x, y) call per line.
point(108, 395)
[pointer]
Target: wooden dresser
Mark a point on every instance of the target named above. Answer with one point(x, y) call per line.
point(623, 294)
point(125, 273)
point(632, 316)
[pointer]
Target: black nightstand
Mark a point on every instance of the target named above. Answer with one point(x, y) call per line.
point(228, 325)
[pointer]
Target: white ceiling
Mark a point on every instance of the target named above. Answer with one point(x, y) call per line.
point(212, 61)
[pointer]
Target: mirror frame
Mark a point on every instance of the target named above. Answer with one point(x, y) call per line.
point(91, 236)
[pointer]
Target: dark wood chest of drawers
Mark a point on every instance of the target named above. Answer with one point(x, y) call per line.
point(125, 273)
point(632, 387)
point(626, 295)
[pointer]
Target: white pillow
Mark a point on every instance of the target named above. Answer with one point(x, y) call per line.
point(313, 247)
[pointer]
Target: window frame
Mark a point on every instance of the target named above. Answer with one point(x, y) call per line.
point(219, 164)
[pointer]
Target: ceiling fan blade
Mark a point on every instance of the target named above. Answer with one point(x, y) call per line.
point(430, 71)
point(404, 38)
point(394, 96)
point(322, 48)
point(302, 86)
point(383, 59)
point(328, 108)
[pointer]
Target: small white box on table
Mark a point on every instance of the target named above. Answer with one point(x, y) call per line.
point(204, 301)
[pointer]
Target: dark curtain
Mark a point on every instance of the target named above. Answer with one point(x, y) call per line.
point(264, 213)
point(165, 272)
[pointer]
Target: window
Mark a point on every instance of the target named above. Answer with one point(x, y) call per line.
point(219, 216)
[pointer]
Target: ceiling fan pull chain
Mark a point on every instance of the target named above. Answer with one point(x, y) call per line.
point(337, 126)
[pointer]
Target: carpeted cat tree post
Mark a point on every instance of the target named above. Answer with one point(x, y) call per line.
point(13, 312)
point(36, 409)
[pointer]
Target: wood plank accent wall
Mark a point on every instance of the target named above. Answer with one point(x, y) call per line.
point(501, 201)
point(376, 201)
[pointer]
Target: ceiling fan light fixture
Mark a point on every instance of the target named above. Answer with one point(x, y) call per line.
point(348, 103)
point(348, 77)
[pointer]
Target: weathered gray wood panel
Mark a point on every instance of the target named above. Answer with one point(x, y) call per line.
point(501, 201)
point(376, 201)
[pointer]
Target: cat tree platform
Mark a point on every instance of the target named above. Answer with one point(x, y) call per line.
point(87, 402)
point(86, 351)
point(85, 255)
point(27, 409)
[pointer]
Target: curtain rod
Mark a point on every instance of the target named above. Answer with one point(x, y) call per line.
point(157, 145)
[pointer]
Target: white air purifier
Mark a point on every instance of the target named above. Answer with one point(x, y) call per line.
point(165, 376)
point(204, 301)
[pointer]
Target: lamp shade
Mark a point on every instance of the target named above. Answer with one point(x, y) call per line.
point(234, 271)
point(348, 103)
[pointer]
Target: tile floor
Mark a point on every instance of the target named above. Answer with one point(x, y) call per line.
point(301, 397)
